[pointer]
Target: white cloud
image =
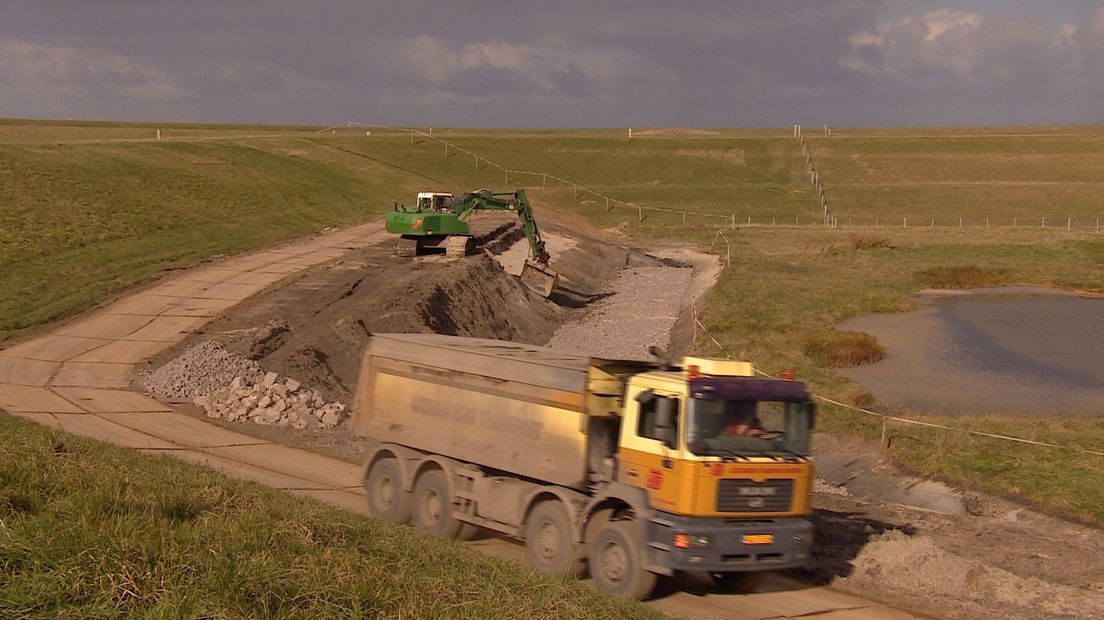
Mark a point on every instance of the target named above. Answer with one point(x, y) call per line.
point(939, 41)
point(49, 74)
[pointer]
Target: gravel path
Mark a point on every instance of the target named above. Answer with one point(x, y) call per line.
point(644, 305)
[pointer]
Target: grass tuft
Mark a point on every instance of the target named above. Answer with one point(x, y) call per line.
point(859, 241)
point(841, 349)
point(961, 276)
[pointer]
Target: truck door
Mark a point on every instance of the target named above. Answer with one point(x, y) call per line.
point(649, 451)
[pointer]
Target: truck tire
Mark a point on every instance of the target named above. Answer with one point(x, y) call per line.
point(549, 543)
point(431, 506)
point(616, 561)
point(387, 498)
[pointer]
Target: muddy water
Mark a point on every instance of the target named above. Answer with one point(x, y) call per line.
point(990, 351)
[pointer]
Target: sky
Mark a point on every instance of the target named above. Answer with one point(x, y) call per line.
point(556, 63)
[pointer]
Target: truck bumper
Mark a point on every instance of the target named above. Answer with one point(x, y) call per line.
point(720, 545)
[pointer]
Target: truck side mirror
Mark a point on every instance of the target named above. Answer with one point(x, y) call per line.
point(811, 411)
point(665, 421)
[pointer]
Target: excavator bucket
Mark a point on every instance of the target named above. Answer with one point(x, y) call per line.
point(538, 278)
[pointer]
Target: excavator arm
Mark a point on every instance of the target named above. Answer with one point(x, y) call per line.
point(516, 201)
point(535, 272)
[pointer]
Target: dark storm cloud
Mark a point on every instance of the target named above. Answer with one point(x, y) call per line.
point(570, 63)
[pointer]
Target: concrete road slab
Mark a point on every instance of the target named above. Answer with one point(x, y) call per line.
point(877, 612)
point(247, 471)
point(257, 278)
point(178, 287)
point(328, 471)
point(683, 605)
point(282, 268)
point(27, 372)
point(95, 400)
point(103, 325)
point(786, 604)
point(145, 304)
point(96, 427)
point(228, 290)
point(210, 275)
point(45, 419)
point(26, 399)
point(53, 348)
point(201, 307)
point(123, 352)
point(251, 262)
point(168, 329)
point(342, 499)
point(182, 429)
point(93, 374)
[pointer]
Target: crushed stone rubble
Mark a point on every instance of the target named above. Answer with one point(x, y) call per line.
point(272, 402)
point(200, 371)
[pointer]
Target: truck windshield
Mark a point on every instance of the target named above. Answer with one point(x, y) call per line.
point(747, 428)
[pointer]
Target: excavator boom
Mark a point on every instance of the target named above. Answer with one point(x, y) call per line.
point(535, 272)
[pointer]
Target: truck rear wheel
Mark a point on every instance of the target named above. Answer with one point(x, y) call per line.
point(387, 499)
point(549, 543)
point(617, 561)
point(432, 506)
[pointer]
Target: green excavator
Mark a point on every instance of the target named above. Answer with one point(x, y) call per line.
point(441, 219)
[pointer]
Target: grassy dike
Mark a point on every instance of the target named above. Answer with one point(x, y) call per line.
point(89, 530)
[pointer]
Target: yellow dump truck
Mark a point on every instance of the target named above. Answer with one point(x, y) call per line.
point(628, 469)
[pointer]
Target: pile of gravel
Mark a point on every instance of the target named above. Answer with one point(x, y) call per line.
point(272, 402)
point(200, 371)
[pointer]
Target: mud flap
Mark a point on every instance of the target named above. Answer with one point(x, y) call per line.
point(538, 278)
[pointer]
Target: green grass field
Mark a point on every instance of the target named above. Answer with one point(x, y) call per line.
point(89, 530)
point(93, 208)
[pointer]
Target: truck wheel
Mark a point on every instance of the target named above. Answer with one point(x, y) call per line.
point(432, 506)
point(549, 543)
point(740, 583)
point(617, 561)
point(387, 499)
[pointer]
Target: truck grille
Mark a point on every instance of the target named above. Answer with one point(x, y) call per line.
point(743, 495)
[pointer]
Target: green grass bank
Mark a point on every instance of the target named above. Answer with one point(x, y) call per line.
point(89, 530)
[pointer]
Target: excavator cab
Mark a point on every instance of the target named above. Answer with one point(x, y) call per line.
point(435, 202)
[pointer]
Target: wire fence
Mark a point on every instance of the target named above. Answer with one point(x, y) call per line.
point(731, 220)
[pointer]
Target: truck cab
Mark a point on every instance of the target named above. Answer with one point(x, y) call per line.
point(724, 460)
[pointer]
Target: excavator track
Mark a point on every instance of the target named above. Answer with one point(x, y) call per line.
point(406, 248)
point(459, 246)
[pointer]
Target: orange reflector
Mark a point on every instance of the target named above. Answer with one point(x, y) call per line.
point(682, 541)
point(693, 371)
point(757, 539)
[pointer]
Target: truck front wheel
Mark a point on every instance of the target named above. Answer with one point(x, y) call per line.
point(387, 499)
point(432, 506)
point(548, 540)
point(617, 561)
